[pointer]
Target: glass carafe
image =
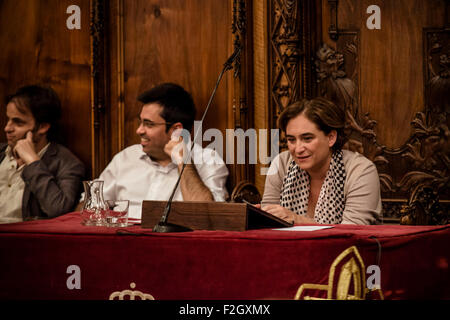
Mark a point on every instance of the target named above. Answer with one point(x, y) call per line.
point(94, 209)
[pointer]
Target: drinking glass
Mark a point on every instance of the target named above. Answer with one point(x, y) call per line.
point(117, 213)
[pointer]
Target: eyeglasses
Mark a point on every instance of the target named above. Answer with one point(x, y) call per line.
point(150, 124)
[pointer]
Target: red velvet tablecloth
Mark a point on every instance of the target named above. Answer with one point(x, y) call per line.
point(258, 264)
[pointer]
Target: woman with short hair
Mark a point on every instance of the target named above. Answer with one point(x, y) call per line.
point(315, 181)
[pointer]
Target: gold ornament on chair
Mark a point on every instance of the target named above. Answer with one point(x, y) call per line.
point(352, 270)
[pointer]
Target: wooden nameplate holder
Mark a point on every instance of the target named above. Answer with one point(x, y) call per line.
point(211, 216)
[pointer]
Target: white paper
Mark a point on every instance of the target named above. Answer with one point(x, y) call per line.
point(304, 228)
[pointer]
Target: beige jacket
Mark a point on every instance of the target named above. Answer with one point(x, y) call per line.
point(361, 189)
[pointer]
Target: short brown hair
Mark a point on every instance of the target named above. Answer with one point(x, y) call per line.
point(324, 113)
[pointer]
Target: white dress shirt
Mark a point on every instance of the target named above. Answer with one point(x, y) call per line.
point(132, 175)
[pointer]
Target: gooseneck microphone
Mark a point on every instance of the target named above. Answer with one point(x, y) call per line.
point(163, 226)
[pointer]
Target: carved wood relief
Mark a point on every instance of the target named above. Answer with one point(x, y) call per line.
point(406, 172)
point(242, 84)
point(415, 176)
point(290, 40)
point(98, 85)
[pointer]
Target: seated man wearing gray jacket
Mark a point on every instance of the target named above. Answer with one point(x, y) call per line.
point(39, 178)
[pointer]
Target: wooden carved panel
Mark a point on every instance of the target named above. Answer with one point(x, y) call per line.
point(337, 71)
point(290, 41)
point(100, 106)
point(416, 173)
point(242, 84)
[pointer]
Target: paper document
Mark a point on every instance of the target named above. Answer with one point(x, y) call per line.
point(134, 221)
point(304, 228)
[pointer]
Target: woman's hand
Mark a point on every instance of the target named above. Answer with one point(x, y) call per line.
point(287, 215)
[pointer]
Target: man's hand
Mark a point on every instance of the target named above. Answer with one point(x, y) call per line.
point(176, 148)
point(25, 150)
point(191, 185)
point(287, 215)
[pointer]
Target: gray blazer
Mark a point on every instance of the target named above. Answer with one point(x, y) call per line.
point(52, 184)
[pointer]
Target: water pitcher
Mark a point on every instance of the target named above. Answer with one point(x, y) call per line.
point(94, 209)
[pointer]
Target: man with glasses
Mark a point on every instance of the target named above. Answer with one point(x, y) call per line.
point(149, 170)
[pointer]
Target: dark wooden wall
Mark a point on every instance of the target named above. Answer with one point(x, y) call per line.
point(37, 47)
point(185, 42)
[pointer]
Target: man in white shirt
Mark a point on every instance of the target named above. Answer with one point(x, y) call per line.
point(149, 170)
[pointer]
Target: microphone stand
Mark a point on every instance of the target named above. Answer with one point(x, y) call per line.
point(163, 226)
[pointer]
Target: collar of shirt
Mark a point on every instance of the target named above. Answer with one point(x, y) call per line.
point(8, 151)
point(43, 150)
point(165, 169)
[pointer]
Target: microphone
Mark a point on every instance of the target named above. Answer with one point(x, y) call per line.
point(163, 226)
